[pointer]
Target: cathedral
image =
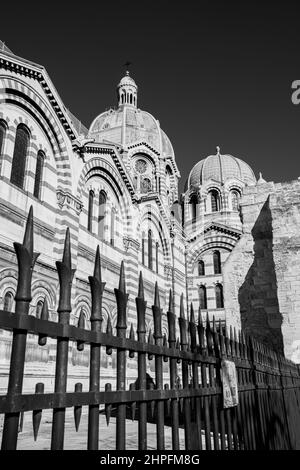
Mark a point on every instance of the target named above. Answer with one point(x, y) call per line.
point(229, 243)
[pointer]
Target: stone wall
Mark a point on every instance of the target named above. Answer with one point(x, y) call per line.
point(262, 274)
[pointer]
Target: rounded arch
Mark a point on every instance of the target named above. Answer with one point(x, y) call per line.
point(148, 214)
point(25, 97)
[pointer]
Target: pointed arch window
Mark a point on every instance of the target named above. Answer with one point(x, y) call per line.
point(101, 213)
point(219, 296)
point(217, 262)
point(201, 268)
point(234, 200)
point(90, 210)
point(2, 136)
point(39, 308)
point(19, 156)
point(38, 173)
point(150, 247)
point(203, 297)
point(215, 201)
point(8, 302)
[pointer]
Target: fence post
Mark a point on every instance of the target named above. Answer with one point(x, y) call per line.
point(122, 299)
point(173, 373)
point(158, 369)
point(185, 375)
point(142, 381)
point(97, 289)
point(26, 261)
point(65, 274)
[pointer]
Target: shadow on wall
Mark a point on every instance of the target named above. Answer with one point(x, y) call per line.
point(259, 308)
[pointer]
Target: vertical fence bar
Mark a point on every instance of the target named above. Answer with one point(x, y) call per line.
point(122, 299)
point(193, 336)
point(97, 289)
point(26, 261)
point(157, 318)
point(65, 274)
point(185, 375)
point(173, 373)
point(142, 381)
point(214, 350)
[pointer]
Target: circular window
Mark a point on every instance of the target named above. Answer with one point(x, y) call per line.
point(141, 166)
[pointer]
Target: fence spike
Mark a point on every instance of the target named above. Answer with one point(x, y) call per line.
point(150, 341)
point(156, 296)
point(122, 282)
point(200, 328)
point(77, 409)
point(132, 337)
point(26, 260)
point(37, 414)
point(133, 404)
point(141, 287)
point(181, 313)
point(171, 322)
point(97, 289)
point(44, 316)
point(81, 324)
point(192, 330)
point(108, 406)
point(97, 266)
point(108, 332)
point(65, 274)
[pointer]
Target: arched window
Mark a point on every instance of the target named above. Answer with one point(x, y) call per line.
point(39, 308)
point(217, 262)
point(19, 157)
point(143, 248)
point(215, 201)
point(219, 296)
point(146, 185)
point(90, 210)
point(130, 98)
point(112, 226)
point(150, 254)
point(156, 255)
point(201, 268)
point(234, 200)
point(38, 173)
point(194, 202)
point(2, 136)
point(8, 302)
point(101, 213)
point(203, 297)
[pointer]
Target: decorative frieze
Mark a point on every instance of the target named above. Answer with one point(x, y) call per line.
point(131, 243)
point(65, 199)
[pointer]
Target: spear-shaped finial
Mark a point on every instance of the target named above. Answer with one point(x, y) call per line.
point(132, 338)
point(77, 409)
point(67, 249)
point(141, 287)
point(28, 235)
point(181, 307)
point(108, 406)
point(81, 324)
point(97, 266)
point(192, 315)
point(122, 283)
point(156, 296)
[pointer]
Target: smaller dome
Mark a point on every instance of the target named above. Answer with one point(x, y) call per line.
point(127, 80)
point(220, 168)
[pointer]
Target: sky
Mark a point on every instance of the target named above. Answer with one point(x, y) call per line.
point(214, 73)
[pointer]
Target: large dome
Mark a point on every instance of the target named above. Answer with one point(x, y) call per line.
point(220, 168)
point(128, 125)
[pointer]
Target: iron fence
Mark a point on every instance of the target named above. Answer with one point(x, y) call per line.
point(268, 413)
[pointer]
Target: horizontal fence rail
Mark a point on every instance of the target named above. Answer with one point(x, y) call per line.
point(267, 415)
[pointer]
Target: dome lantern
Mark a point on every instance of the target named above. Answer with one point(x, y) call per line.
point(127, 91)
